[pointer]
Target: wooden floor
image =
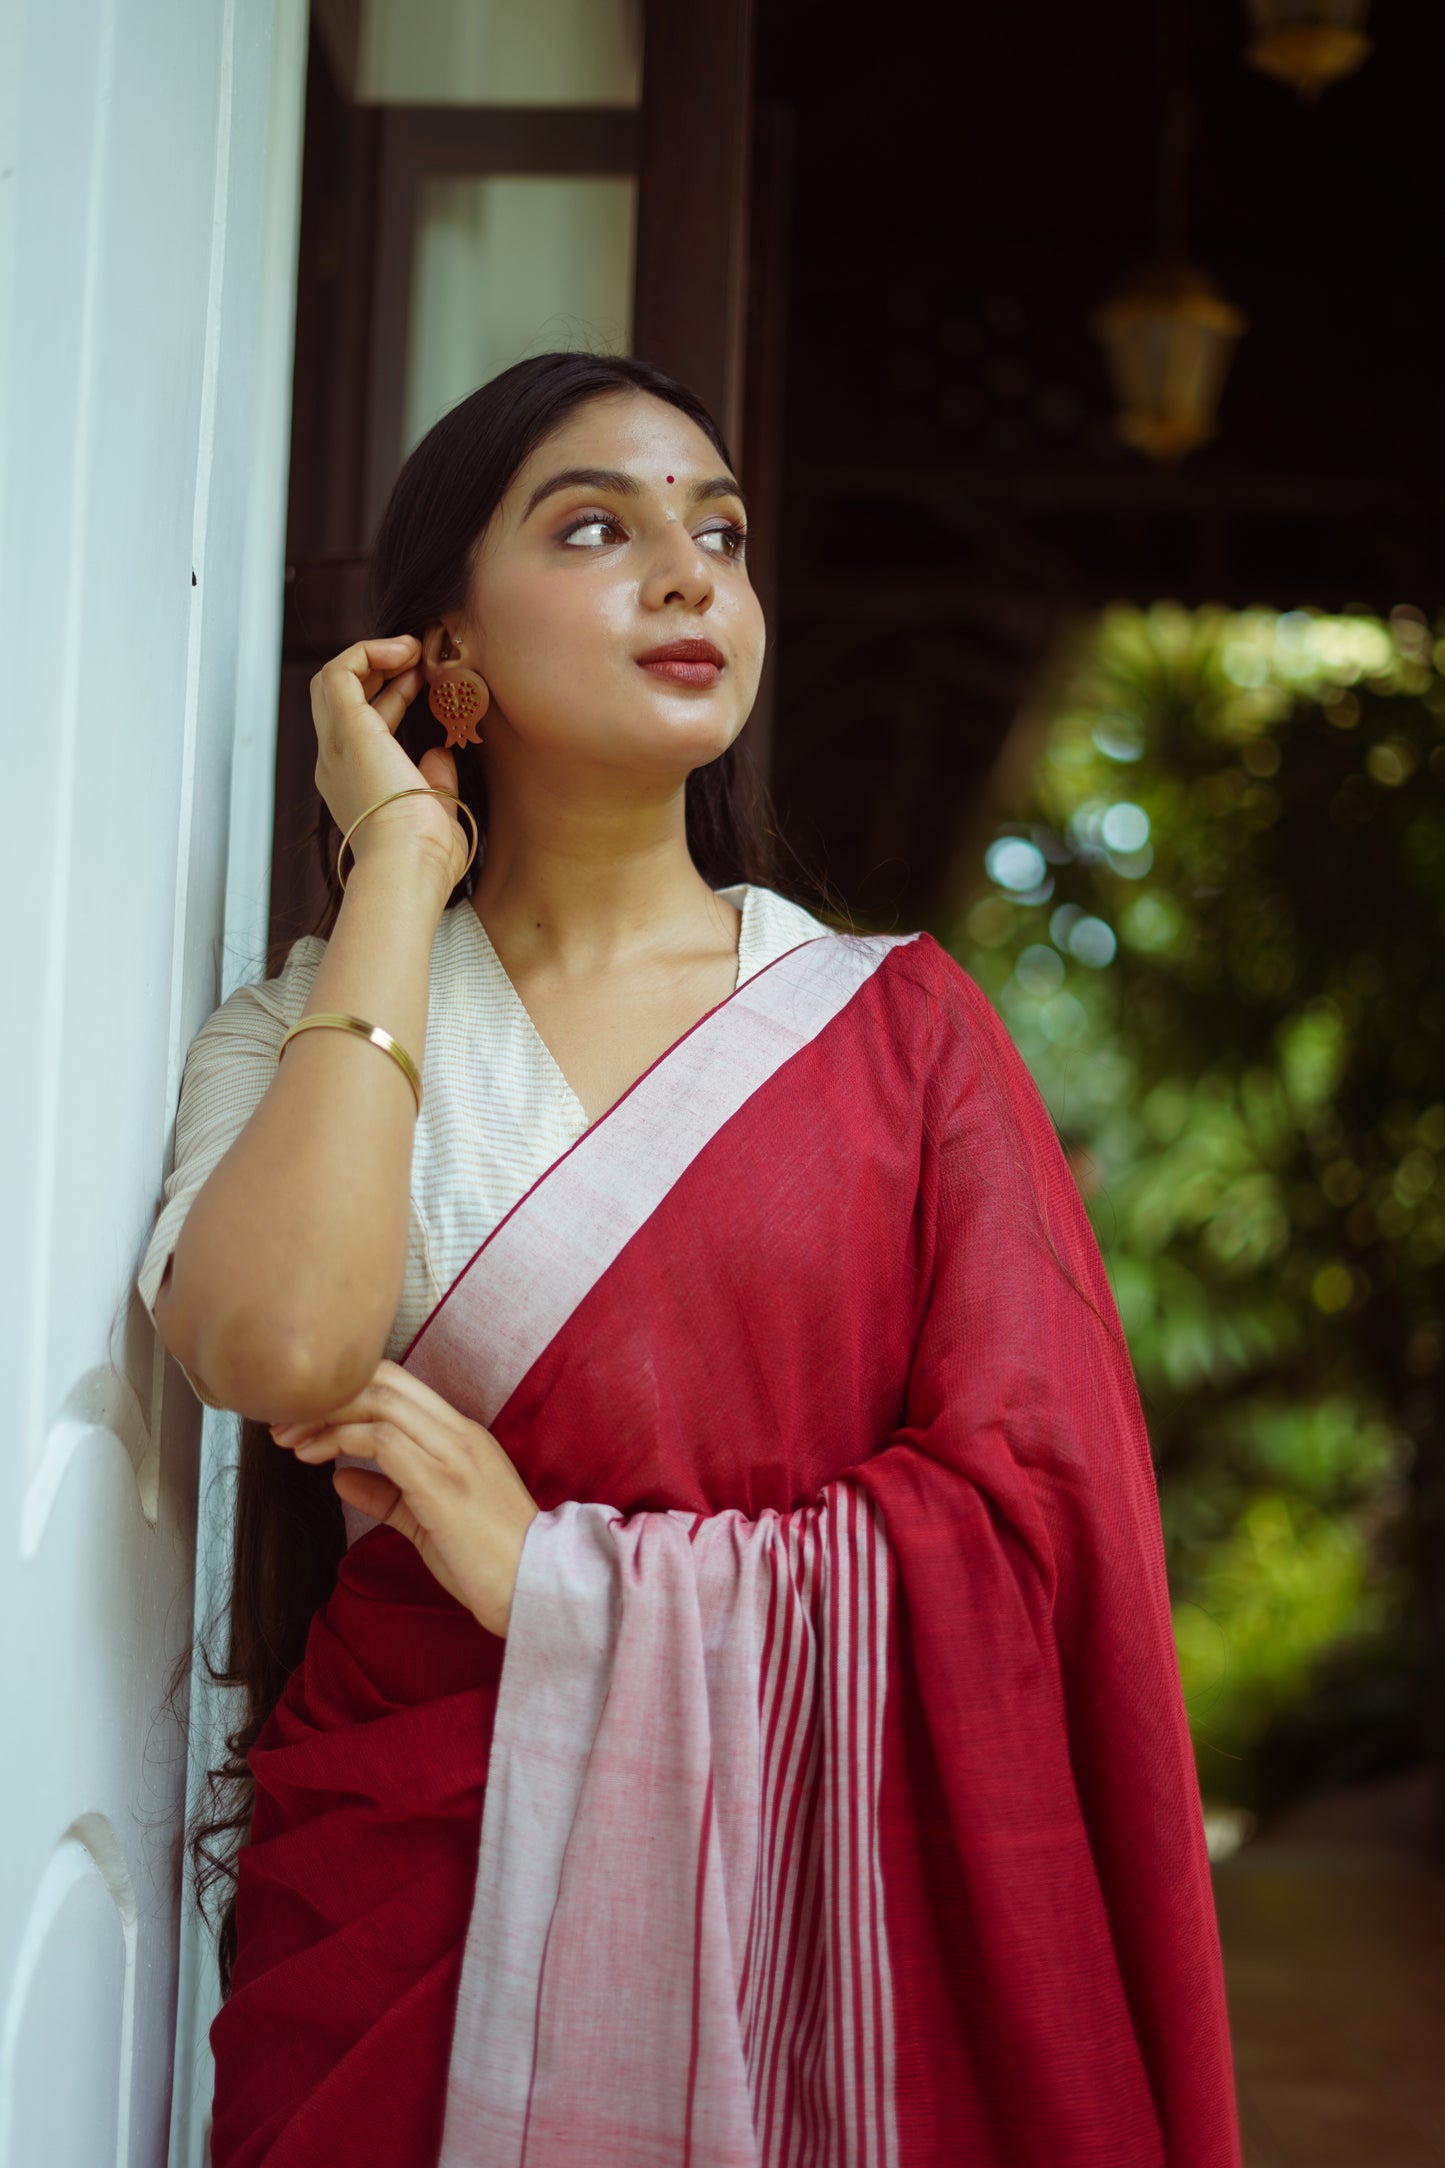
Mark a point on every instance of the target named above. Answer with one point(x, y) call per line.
point(1334, 1943)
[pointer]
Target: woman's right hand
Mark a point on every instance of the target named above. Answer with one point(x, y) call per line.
point(357, 702)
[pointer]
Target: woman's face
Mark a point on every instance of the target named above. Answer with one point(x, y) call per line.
point(621, 534)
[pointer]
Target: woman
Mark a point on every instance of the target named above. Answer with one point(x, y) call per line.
point(743, 1725)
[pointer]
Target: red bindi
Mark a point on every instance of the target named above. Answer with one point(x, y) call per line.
point(669, 478)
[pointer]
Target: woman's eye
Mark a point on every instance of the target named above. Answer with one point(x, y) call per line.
point(587, 525)
point(730, 534)
point(727, 540)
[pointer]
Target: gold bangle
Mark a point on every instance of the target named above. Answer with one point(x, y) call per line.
point(374, 1032)
point(416, 791)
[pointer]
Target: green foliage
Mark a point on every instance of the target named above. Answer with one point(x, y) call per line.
point(1283, 1584)
point(1214, 930)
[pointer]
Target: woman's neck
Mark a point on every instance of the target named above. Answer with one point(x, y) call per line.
point(587, 893)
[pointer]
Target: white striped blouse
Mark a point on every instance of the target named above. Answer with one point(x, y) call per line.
point(496, 1109)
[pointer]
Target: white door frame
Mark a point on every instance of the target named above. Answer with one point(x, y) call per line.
point(149, 208)
point(245, 930)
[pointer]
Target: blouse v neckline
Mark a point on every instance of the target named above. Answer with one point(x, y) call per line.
point(741, 894)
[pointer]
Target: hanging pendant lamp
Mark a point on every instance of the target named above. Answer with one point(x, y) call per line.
point(1168, 338)
point(1309, 43)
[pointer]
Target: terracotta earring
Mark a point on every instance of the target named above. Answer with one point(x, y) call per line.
point(460, 700)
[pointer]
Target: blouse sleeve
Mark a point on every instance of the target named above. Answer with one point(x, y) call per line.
point(231, 1061)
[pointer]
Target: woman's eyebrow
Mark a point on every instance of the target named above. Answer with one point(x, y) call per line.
point(623, 485)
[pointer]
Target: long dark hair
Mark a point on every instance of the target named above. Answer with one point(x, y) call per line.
point(289, 1534)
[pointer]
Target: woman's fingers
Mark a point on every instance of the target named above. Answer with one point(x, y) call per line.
point(352, 679)
point(384, 1501)
point(324, 1447)
point(375, 1495)
point(408, 1430)
point(392, 704)
point(381, 658)
point(358, 775)
point(368, 662)
point(392, 1393)
point(432, 1475)
point(381, 1442)
point(393, 1450)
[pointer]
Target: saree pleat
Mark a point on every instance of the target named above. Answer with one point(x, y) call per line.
point(354, 1890)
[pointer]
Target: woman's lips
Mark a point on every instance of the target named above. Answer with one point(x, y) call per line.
point(684, 673)
point(684, 662)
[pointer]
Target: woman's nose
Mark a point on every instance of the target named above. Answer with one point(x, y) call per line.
point(680, 568)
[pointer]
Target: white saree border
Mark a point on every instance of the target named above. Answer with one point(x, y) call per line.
point(535, 1267)
point(677, 1954)
point(541, 1261)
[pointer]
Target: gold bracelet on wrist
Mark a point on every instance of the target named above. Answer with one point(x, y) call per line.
point(422, 791)
point(378, 1037)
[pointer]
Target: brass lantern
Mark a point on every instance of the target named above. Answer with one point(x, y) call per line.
point(1169, 338)
point(1309, 42)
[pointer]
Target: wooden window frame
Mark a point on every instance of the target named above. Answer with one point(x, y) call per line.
point(422, 143)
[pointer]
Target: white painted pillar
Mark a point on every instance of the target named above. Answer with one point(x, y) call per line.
point(149, 190)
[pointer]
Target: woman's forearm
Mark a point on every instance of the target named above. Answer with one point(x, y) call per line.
point(288, 1268)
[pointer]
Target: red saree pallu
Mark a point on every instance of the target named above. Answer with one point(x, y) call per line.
point(830, 1801)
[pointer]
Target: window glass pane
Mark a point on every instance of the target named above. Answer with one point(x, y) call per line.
point(499, 52)
point(509, 265)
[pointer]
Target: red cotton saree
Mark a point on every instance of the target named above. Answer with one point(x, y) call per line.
point(830, 1801)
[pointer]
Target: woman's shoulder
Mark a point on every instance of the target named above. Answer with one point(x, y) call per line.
point(923, 1001)
point(773, 922)
point(284, 993)
point(966, 1051)
point(929, 1002)
point(260, 1011)
point(921, 971)
point(914, 966)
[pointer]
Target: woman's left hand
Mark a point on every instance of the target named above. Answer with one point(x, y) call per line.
point(441, 1481)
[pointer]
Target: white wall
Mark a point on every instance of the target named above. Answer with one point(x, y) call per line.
point(149, 169)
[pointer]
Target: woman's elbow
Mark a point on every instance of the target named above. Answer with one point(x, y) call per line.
point(269, 1370)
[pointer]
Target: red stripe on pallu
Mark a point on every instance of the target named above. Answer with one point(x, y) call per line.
point(755, 1916)
point(804, 2107)
point(817, 2011)
point(839, 2031)
point(830, 1806)
point(780, 1719)
point(859, 2054)
point(864, 1670)
point(827, 2013)
point(811, 2073)
point(876, 1613)
point(874, 1580)
point(819, 2060)
point(702, 1851)
point(862, 1824)
point(783, 1696)
point(794, 1821)
point(883, 1979)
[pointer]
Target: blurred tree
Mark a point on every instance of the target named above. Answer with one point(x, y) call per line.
point(1214, 927)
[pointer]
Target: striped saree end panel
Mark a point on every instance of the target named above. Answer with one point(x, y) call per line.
point(677, 1952)
point(815, 1995)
